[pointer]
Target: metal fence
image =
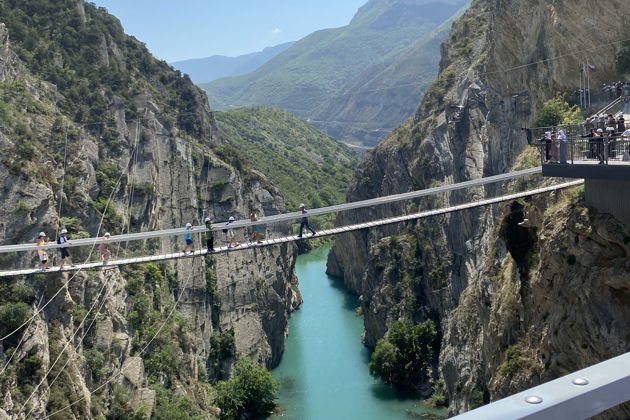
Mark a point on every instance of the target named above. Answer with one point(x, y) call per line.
point(577, 150)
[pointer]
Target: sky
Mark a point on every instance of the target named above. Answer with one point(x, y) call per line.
point(179, 30)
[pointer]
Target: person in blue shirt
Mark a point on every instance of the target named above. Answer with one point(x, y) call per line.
point(188, 239)
point(304, 222)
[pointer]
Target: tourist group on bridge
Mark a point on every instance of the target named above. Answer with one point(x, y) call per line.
point(104, 243)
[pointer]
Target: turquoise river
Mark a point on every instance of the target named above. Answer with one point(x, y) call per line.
point(323, 373)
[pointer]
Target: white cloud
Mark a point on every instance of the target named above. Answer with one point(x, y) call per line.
point(276, 31)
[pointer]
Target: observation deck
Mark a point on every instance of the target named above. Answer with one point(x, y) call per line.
point(603, 163)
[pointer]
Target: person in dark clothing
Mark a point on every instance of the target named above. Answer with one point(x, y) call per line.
point(209, 235)
point(304, 222)
point(599, 144)
point(592, 149)
point(65, 254)
point(621, 124)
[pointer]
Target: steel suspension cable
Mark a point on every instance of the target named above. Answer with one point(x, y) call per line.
point(117, 375)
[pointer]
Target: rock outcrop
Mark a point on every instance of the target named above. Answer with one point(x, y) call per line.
point(502, 60)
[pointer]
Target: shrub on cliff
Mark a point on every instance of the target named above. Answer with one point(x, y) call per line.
point(250, 393)
point(405, 354)
point(557, 111)
point(623, 59)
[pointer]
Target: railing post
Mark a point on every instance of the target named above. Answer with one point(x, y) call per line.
point(606, 151)
point(571, 143)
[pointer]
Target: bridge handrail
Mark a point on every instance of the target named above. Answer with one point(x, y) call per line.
point(280, 217)
point(578, 395)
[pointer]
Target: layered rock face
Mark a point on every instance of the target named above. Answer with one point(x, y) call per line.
point(135, 173)
point(501, 61)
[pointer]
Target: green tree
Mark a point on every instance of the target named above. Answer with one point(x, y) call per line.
point(404, 356)
point(557, 111)
point(623, 59)
point(250, 393)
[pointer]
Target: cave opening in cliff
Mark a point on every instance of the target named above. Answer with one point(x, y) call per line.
point(520, 240)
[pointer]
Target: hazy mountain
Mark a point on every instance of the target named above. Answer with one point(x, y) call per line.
point(384, 95)
point(383, 46)
point(204, 70)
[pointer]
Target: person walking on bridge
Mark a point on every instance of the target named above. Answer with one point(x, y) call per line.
point(209, 235)
point(255, 236)
point(304, 222)
point(41, 253)
point(188, 239)
point(231, 236)
point(103, 248)
point(65, 254)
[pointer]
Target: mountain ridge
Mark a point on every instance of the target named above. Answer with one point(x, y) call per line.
point(314, 63)
point(207, 69)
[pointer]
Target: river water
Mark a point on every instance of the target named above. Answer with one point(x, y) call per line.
point(323, 373)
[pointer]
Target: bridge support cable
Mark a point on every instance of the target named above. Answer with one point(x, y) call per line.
point(141, 352)
point(579, 395)
point(293, 238)
point(98, 297)
point(287, 216)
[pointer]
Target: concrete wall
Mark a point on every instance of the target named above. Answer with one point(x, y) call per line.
point(609, 196)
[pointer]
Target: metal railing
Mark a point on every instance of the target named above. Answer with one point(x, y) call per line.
point(578, 150)
point(579, 395)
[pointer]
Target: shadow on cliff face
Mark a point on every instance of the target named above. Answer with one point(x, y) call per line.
point(520, 240)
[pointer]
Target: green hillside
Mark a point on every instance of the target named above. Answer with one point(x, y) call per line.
point(306, 165)
point(316, 67)
point(93, 64)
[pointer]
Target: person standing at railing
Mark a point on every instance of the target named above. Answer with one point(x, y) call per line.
point(562, 139)
point(621, 123)
point(598, 139)
point(547, 140)
point(610, 141)
point(625, 145)
point(41, 253)
point(591, 151)
point(554, 148)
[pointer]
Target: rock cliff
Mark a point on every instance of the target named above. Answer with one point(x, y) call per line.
point(143, 153)
point(502, 60)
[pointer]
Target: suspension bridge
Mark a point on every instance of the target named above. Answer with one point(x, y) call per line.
point(140, 236)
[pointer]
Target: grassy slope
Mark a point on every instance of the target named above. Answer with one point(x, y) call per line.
point(306, 165)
